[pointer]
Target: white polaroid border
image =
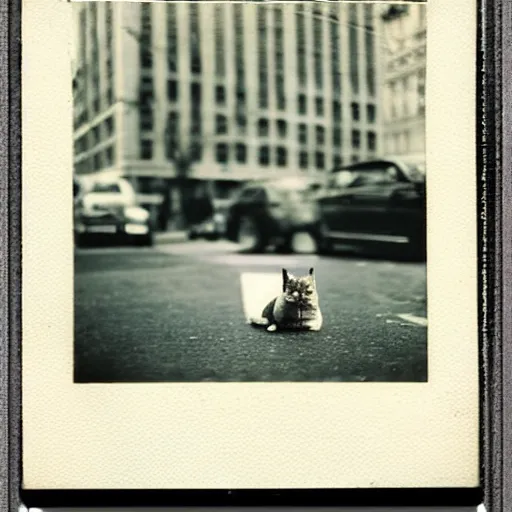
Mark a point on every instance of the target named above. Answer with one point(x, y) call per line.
point(249, 435)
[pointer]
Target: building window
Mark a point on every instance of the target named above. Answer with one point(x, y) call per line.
point(220, 95)
point(335, 57)
point(279, 57)
point(372, 141)
point(336, 137)
point(222, 153)
point(146, 149)
point(264, 156)
point(336, 110)
point(319, 160)
point(370, 49)
point(97, 161)
point(220, 50)
point(281, 156)
point(172, 133)
point(320, 135)
point(303, 159)
point(146, 118)
point(280, 95)
point(353, 47)
point(195, 93)
point(172, 38)
point(96, 104)
point(354, 107)
point(221, 124)
point(109, 156)
point(301, 46)
point(239, 45)
point(145, 43)
point(195, 99)
point(337, 161)
point(281, 128)
point(262, 57)
point(370, 113)
point(303, 104)
point(146, 91)
point(319, 105)
point(195, 39)
point(263, 127)
point(241, 122)
point(318, 51)
point(303, 133)
point(356, 139)
point(421, 92)
point(241, 153)
point(172, 90)
point(109, 126)
point(355, 159)
point(196, 152)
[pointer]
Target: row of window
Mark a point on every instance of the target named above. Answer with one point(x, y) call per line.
point(302, 102)
point(100, 160)
point(278, 156)
point(222, 149)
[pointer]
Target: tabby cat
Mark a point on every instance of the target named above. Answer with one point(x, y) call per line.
point(297, 307)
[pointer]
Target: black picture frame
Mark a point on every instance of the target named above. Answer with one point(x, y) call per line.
point(494, 131)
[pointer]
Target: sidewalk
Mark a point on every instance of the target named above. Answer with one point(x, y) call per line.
point(171, 237)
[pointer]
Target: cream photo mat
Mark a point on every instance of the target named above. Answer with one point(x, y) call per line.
point(249, 435)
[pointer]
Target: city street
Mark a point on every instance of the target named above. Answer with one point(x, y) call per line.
point(174, 313)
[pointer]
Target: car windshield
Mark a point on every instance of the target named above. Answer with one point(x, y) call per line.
point(106, 188)
point(415, 170)
point(295, 190)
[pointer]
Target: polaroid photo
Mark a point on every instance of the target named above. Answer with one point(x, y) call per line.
point(249, 245)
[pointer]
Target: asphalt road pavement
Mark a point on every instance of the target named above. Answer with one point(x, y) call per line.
point(173, 313)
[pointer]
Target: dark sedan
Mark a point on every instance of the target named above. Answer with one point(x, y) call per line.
point(271, 213)
point(373, 204)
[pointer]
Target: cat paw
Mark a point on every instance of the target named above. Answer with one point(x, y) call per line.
point(272, 328)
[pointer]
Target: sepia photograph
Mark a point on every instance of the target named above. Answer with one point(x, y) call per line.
point(249, 192)
point(249, 246)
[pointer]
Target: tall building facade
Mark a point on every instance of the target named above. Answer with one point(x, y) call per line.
point(404, 30)
point(245, 90)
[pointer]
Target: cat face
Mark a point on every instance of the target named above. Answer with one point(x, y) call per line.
point(300, 290)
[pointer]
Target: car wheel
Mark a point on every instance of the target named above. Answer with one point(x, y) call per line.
point(146, 240)
point(250, 238)
point(80, 240)
point(324, 245)
point(192, 235)
point(416, 248)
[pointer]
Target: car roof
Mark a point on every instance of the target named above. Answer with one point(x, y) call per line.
point(401, 160)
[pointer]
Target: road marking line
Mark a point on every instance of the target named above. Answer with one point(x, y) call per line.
point(419, 320)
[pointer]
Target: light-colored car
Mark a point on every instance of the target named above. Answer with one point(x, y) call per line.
point(108, 208)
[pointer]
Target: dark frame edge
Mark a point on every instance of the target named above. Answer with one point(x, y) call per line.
point(495, 60)
point(13, 187)
point(410, 497)
point(495, 249)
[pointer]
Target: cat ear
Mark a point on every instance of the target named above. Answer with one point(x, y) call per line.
point(285, 278)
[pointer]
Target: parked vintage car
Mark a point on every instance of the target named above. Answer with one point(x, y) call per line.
point(373, 204)
point(213, 227)
point(108, 209)
point(272, 212)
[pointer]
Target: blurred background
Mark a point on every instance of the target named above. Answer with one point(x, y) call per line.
point(232, 137)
